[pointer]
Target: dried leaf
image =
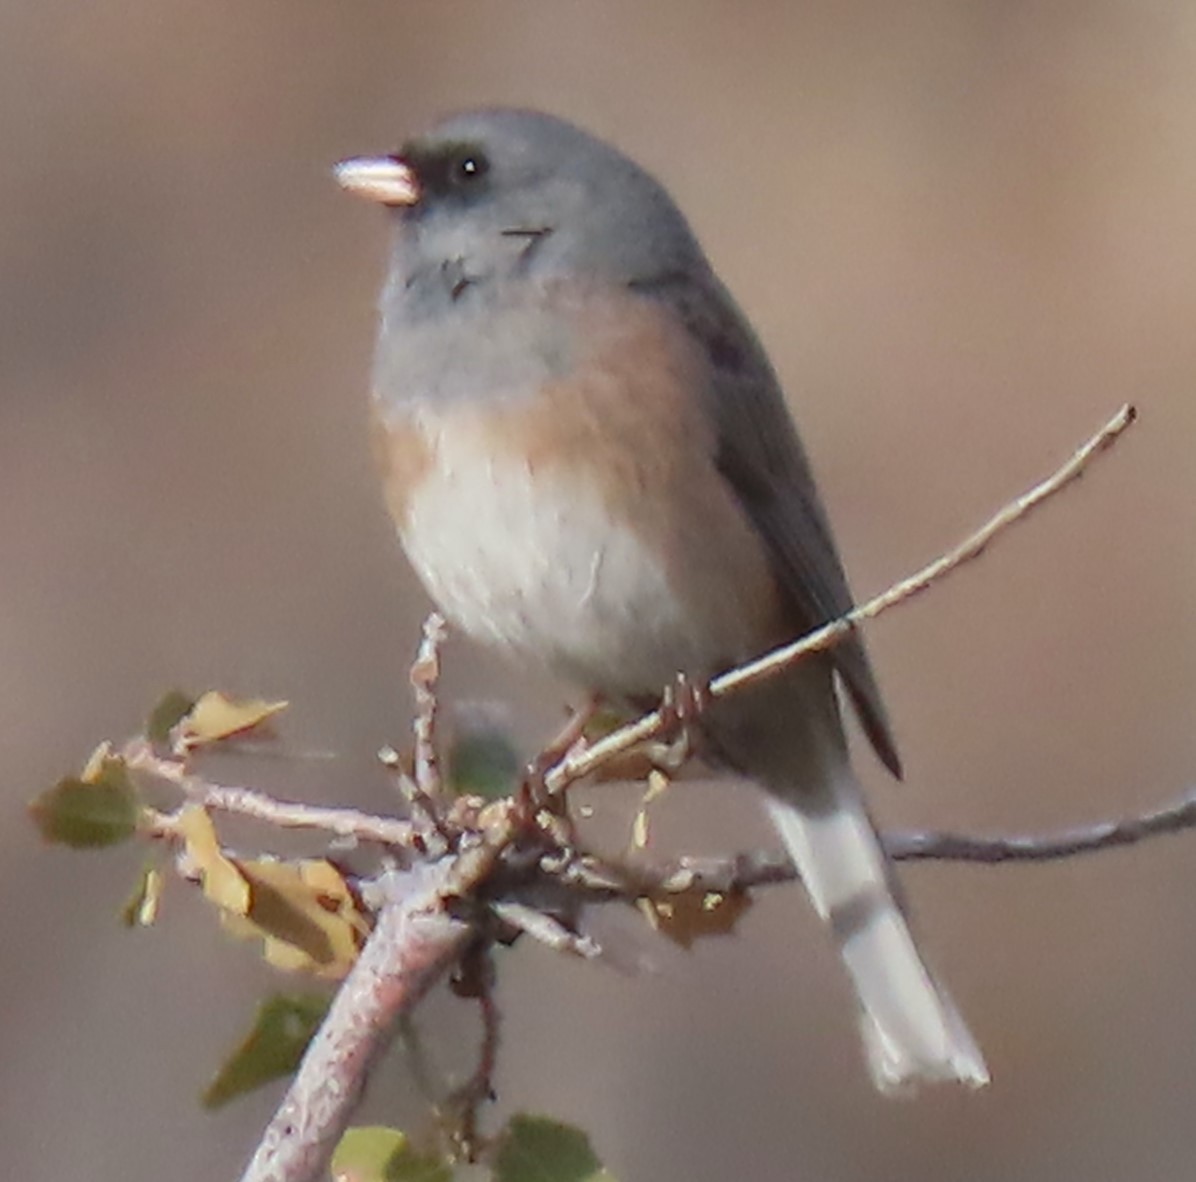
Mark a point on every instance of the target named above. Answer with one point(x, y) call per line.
point(305, 914)
point(691, 915)
point(215, 717)
point(141, 908)
point(282, 1027)
point(378, 1154)
point(658, 785)
point(93, 769)
point(101, 808)
point(222, 882)
point(537, 1149)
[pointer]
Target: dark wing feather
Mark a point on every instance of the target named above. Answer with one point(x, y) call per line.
point(762, 457)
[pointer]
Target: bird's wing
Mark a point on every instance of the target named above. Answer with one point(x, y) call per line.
point(762, 458)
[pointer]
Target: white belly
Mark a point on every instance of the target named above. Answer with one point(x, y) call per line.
point(535, 563)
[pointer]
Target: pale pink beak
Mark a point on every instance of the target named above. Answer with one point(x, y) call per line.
point(385, 179)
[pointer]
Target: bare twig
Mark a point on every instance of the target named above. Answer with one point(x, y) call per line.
point(425, 676)
point(968, 550)
point(547, 929)
point(414, 943)
point(764, 868)
point(462, 1106)
point(596, 879)
point(287, 814)
point(575, 766)
point(1044, 847)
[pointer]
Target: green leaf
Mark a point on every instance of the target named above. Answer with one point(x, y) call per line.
point(378, 1154)
point(90, 813)
point(282, 1028)
point(537, 1149)
point(483, 761)
point(170, 709)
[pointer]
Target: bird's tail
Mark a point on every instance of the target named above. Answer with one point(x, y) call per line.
point(912, 1030)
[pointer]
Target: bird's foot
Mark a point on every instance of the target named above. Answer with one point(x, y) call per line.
point(681, 707)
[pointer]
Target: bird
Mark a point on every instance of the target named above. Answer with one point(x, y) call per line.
point(591, 466)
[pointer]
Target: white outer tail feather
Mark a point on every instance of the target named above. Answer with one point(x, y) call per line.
point(912, 1030)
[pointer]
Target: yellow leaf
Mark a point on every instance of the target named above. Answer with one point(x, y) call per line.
point(658, 784)
point(639, 829)
point(222, 882)
point(303, 912)
point(305, 915)
point(141, 909)
point(93, 769)
point(215, 717)
point(378, 1154)
point(322, 876)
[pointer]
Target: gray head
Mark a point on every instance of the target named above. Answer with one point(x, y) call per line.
point(503, 193)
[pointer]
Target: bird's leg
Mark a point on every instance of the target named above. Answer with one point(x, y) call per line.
point(551, 813)
point(563, 742)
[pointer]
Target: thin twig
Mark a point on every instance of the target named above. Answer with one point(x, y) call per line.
point(287, 814)
point(575, 766)
point(463, 1105)
point(425, 676)
point(1045, 847)
point(596, 878)
point(547, 929)
point(968, 550)
point(765, 868)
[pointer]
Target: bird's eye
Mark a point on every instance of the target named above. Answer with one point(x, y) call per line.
point(470, 167)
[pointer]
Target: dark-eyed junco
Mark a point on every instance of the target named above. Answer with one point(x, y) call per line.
point(590, 464)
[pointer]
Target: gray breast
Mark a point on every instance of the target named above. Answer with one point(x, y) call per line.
point(483, 347)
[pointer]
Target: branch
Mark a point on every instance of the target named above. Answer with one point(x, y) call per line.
point(425, 675)
point(461, 1107)
point(745, 871)
point(575, 766)
point(475, 859)
point(247, 802)
point(1046, 847)
point(412, 946)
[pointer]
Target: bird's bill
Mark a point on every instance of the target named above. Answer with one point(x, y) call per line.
point(385, 179)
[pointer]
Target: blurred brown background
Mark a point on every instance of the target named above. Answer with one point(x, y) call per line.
point(967, 232)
